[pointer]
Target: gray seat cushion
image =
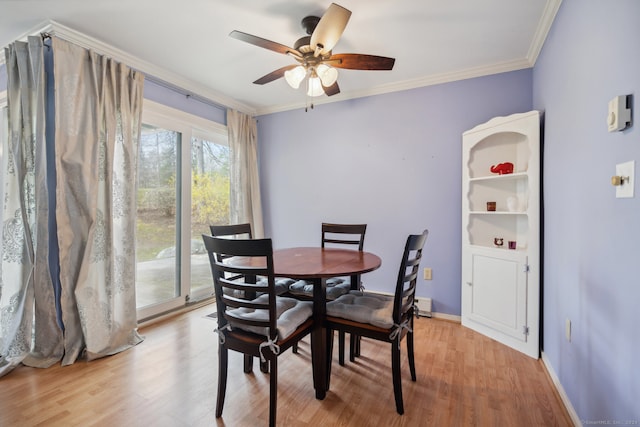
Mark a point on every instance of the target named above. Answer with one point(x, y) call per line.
point(363, 307)
point(290, 312)
point(282, 284)
point(336, 286)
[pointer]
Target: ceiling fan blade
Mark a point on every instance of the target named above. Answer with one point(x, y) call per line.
point(264, 43)
point(356, 61)
point(274, 75)
point(334, 89)
point(330, 28)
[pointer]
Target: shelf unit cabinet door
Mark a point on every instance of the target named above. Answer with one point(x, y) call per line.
point(497, 290)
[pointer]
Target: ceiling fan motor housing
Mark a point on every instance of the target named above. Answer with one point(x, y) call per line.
point(309, 23)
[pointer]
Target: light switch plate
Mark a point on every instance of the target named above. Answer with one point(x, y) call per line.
point(627, 169)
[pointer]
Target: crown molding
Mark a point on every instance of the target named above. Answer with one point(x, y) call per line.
point(431, 80)
point(169, 78)
point(544, 26)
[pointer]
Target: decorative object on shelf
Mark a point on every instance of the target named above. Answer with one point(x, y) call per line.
point(498, 241)
point(512, 204)
point(491, 206)
point(502, 168)
point(512, 244)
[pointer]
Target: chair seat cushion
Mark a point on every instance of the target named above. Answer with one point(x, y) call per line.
point(363, 307)
point(282, 284)
point(336, 286)
point(290, 312)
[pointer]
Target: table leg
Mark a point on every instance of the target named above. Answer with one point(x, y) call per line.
point(319, 339)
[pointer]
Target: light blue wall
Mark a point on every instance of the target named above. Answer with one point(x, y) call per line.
point(591, 238)
point(178, 100)
point(392, 161)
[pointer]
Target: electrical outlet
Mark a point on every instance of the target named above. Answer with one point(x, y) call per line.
point(567, 329)
point(427, 273)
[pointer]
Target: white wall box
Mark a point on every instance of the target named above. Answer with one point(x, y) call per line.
point(501, 283)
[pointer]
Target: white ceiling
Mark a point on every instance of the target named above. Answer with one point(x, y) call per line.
point(186, 42)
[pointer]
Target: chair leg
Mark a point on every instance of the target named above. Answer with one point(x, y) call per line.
point(412, 361)
point(352, 348)
point(273, 390)
point(329, 355)
point(341, 347)
point(248, 364)
point(358, 339)
point(264, 367)
point(397, 379)
point(294, 349)
point(223, 356)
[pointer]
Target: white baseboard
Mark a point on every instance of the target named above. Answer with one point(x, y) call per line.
point(445, 316)
point(563, 395)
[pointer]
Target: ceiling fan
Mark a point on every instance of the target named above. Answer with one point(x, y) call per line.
point(313, 52)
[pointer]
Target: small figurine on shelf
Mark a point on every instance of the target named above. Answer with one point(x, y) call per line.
point(498, 241)
point(502, 168)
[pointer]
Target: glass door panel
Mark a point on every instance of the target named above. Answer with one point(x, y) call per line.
point(157, 251)
point(209, 206)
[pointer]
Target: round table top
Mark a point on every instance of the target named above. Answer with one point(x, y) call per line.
point(316, 262)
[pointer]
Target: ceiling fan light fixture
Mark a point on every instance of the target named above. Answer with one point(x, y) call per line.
point(315, 87)
point(328, 75)
point(295, 76)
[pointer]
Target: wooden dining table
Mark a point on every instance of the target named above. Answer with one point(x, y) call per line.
point(316, 265)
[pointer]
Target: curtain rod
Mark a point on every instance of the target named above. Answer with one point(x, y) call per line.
point(167, 85)
point(184, 92)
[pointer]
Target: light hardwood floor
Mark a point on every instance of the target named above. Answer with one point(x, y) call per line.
point(464, 379)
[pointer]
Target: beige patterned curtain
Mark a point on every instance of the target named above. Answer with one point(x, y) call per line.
point(245, 200)
point(98, 107)
point(91, 309)
point(29, 332)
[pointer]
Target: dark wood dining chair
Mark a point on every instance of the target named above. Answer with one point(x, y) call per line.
point(264, 327)
point(236, 231)
point(243, 231)
point(383, 318)
point(340, 236)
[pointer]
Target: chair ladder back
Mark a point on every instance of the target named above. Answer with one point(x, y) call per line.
point(235, 231)
point(260, 253)
point(344, 234)
point(408, 276)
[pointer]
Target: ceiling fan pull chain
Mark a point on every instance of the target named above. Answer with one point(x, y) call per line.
point(307, 102)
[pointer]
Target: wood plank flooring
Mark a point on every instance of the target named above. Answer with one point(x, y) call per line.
point(170, 379)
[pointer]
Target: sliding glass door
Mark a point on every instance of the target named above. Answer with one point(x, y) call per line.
point(183, 187)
